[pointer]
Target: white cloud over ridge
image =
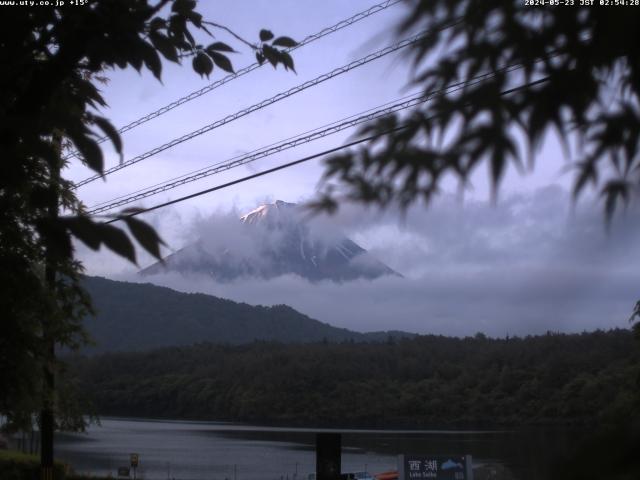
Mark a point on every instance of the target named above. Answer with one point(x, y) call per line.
point(526, 265)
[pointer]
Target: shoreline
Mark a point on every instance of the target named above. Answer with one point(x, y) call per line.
point(302, 427)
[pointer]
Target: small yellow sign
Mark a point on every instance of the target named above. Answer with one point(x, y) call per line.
point(134, 459)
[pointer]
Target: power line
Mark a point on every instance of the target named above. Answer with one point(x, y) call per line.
point(212, 86)
point(295, 162)
point(242, 159)
point(255, 175)
point(276, 98)
point(241, 113)
point(254, 156)
point(321, 132)
point(249, 156)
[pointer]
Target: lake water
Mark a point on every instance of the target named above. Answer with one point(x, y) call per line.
point(208, 450)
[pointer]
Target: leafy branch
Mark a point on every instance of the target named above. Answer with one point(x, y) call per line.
point(592, 96)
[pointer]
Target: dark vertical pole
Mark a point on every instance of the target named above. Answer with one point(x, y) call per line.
point(328, 459)
point(46, 416)
point(48, 387)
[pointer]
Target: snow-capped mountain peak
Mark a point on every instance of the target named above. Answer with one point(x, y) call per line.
point(277, 239)
point(270, 212)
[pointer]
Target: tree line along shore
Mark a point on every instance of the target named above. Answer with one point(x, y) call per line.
point(582, 379)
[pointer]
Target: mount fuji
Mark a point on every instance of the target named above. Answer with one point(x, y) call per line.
point(273, 240)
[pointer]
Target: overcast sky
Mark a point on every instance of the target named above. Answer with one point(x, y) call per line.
point(527, 264)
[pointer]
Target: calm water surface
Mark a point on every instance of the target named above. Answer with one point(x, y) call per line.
point(207, 450)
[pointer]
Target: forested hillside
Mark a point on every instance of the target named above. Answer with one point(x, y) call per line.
point(135, 317)
point(427, 381)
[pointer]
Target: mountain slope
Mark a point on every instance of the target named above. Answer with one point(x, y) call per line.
point(276, 239)
point(133, 317)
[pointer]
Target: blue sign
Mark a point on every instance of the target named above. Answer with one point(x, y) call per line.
point(435, 467)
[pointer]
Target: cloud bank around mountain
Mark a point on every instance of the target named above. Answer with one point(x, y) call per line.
point(529, 264)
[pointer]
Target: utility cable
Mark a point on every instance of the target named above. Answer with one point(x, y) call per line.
point(218, 83)
point(321, 132)
point(255, 156)
point(255, 175)
point(208, 170)
point(276, 98)
point(248, 156)
point(295, 162)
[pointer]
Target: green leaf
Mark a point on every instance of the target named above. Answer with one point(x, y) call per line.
point(116, 240)
point(55, 237)
point(586, 172)
point(89, 90)
point(220, 47)
point(177, 26)
point(183, 6)
point(180, 32)
point(110, 131)
point(271, 54)
point(130, 210)
point(287, 61)
point(202, 64)
point(94, 234)
point(189, 37)
point(152, 60)
point(265, 35)
point(121, 62)
point(221, 61)
point(164, 46)
point(611, 191)
point(259, 58)
point(157, 23)
point(146, 235)
point(89, 150)
point(195, 18)
point(286, 42)
point(135, 56)
point(85, 230)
